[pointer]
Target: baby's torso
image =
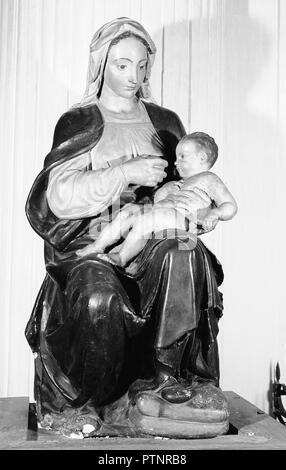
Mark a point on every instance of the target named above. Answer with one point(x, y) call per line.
point(196, 188)
point(198, 184)
point(200, 180)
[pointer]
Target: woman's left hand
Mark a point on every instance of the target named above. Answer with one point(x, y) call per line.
point(190, 201)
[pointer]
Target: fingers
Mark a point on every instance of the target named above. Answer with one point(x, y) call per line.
point(151, 183)
point(183, 201)
point(155, 161)
point(155, 176)
point(158, 176)
point(159, 162)
point(197, 195)
point(146, 170)
point(199, 191)
point(156, 171)
point(209, 224)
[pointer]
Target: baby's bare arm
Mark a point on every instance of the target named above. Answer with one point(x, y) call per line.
point(212, 186)
point(220, 194)
point(207, 186)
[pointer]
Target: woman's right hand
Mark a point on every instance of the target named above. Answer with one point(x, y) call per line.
point(146, 170)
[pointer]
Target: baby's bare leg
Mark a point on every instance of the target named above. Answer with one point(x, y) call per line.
point(113, 231)
point(144, 225)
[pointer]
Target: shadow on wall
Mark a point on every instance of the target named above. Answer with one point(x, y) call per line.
point(242, 78)
point(254, 146)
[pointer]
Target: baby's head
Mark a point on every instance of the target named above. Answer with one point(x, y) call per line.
point(195, 153)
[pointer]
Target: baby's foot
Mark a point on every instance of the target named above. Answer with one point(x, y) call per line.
point(113, 258)
point(87, 250)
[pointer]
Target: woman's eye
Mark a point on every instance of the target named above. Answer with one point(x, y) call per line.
point(142, 67)
point(121, 66)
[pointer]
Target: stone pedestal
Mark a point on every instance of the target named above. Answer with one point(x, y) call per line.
point(250, 428)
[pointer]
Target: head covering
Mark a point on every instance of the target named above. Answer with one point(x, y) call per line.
point(99, 48)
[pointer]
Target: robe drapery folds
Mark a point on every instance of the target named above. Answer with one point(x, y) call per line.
point(171, 291)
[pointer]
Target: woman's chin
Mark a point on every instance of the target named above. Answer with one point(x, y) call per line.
point(128, 93)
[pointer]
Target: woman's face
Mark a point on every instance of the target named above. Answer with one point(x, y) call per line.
point(125, 68)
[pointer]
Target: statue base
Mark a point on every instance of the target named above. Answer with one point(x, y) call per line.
point(250, 428)
point(204, 413)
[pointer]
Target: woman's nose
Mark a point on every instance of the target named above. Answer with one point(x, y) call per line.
point(133, 77)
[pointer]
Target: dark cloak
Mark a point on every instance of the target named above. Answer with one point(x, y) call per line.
point(182, 285)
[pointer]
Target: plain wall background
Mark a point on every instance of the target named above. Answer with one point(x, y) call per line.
point(221, 65)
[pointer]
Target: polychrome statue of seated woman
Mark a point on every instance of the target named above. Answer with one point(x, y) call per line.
point(133, 350)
